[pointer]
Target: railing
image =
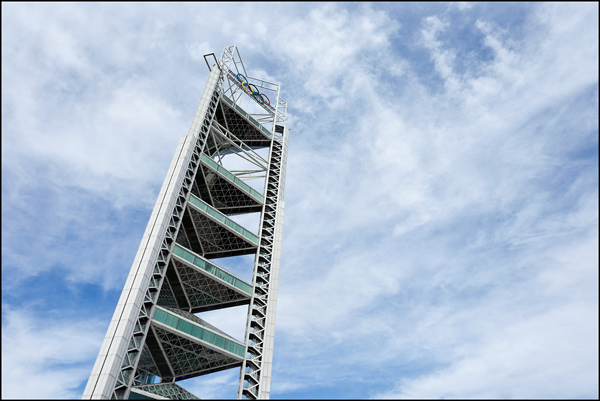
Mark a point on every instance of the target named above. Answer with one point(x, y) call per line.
point(248, 116)
point(194, 330)
point(205, 207)
point(223, 171)
point(212, 269)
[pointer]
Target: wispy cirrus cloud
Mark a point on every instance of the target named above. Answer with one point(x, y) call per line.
point(45, 355)
point(441, 215)
point(463, 183)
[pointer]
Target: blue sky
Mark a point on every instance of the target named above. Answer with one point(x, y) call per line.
point(441, 221)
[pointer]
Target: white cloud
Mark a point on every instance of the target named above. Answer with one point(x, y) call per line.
point(217, 386)
point(442, 235)
point(463, 5)
point(198, 49)
point(45, 355)
point(464, 159)
point(527, 358)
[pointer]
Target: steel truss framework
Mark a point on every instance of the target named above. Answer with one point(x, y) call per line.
point(155, 339)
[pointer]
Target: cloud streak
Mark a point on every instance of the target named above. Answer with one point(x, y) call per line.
point(46, 356)
point(441, 221)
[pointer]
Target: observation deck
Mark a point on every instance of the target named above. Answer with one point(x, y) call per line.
point(208, 232)
point(183, 345)
point(222, 190)
point(195, 284)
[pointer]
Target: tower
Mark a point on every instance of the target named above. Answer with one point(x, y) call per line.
point(157, 336)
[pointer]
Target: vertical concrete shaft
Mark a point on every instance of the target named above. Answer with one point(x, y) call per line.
point(107, 368)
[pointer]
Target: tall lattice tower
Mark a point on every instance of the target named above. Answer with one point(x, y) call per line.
point(156, 338)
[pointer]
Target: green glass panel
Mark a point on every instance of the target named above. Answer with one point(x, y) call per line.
point(257, 195)
point(243, 286)
point(216, 215)
point(198, 203)
point(197, 331)
point(230, 102)
point(171, 320)
point(178, 251)
point(185, 326)
point(165, 318)
point(159, 315)
point(228, 278)
point(239, 349)
point(188, 256)
point(251, 236)
point(200, 263)
point(208, 336)
point(223, 343)
point(204, 265)
point(234, 348)
point(220, 274)
point(219, 341)
point(212, 269)
point(228, 222)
